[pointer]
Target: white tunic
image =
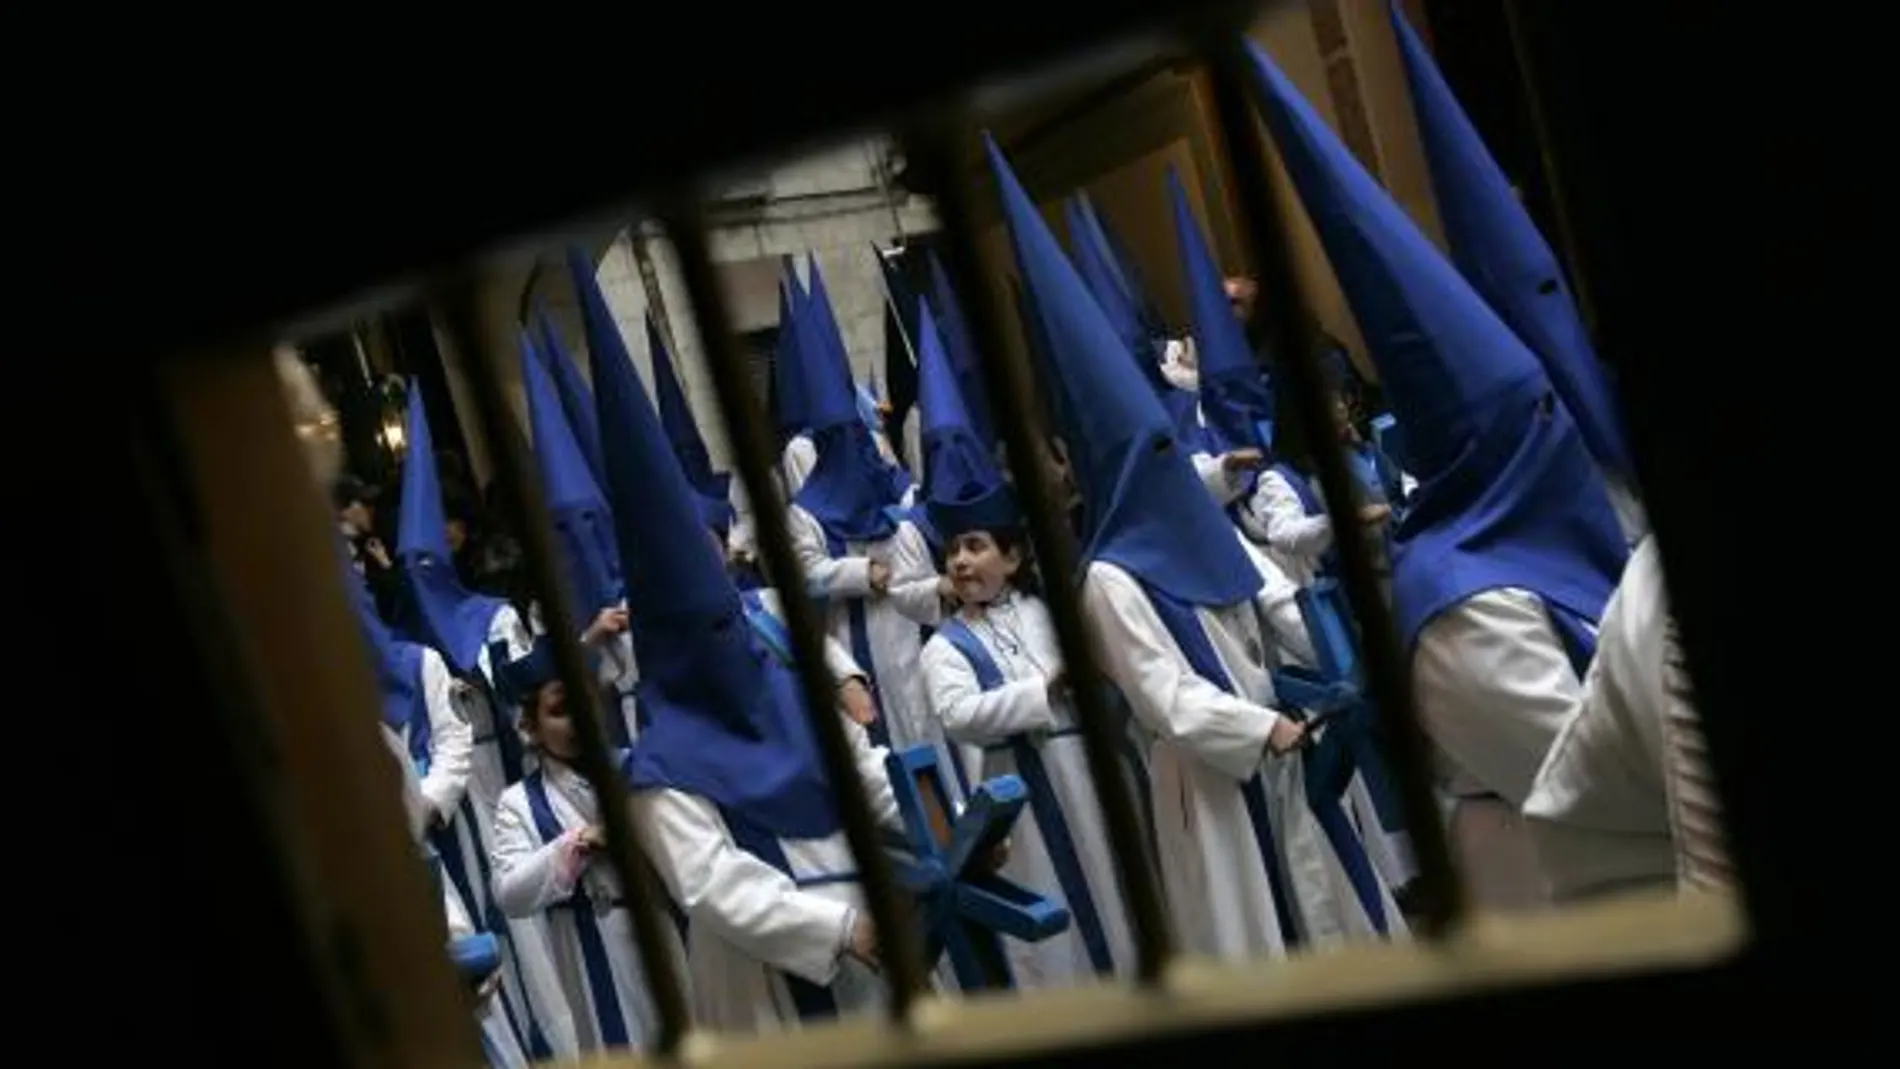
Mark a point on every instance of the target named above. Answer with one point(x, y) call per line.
point(749, 924)
point(1208, 744)
point(892, 623)
point(1016, 631)
point(1277, 517)
point(800, 457)
point(530, 985)
point(1494, 687)
point(1599, 808)
point(530, 888)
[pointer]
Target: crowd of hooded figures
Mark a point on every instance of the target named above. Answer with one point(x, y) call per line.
point(1501, 505)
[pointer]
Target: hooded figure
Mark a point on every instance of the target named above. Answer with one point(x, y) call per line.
point(1498, 250)
point(994, 676)
point(728, 784)
point(473, 632)
point(1509, 548)
point(859, 550)
point(1172, 595)
point(893, 481)
point(583, 530)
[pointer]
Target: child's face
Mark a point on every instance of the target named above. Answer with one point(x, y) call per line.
point(979, 568)
point(548, 725)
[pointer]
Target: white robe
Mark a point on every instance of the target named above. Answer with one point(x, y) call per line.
point(529, 986)
point(1599, 808)
point(1208, 743)
point(801, 455)
point(490, 1016)
point(748, 923)
point(529, 889)
point(892, 623)
point(1494, 687)
point(1277, 517)
point(1016, 631)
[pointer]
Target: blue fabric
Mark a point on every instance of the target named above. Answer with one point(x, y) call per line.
point(595, 964)
point(788, 360)
point(1508, 494)
point(1146, 508)
point(955, 329)
point(1235, 397)
point(723, 719)
point(577, 401)
point(582, 528)
point(850, 485)
point(1044, 805)
point(676, 418)
point(963, 489)
point(448, 616)
point(1498, 249)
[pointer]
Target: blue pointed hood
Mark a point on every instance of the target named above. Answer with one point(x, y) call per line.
point(963, 489)
point(1107, 278)
point(850, 486)
point(582, 528)
point(577, 401)
point(1235, 398)
point(788, 359)
point(1508, 495)
point(676, 418)
point(397, 665)
point(1498, 249)
point(1147, 511)
point(448, 615)
point(954, 330)
point(722, 718)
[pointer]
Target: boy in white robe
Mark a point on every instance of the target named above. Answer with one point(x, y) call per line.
point(549, 871)
point(730, 796)
point(1510, 547)
point(1171, 594)
point(995, 680)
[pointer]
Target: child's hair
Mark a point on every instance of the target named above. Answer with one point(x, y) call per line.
point(1026, 580)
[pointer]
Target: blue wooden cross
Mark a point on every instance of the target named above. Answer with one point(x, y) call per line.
point(1332, 693)
point(966, 907)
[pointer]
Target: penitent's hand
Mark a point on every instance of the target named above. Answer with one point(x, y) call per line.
point(879, 575)
point(864, 941)
point(1286, 736)
point(855, 698)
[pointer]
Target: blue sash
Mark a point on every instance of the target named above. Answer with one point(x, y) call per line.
point(594, 960)
point(1191, 637)
point(1043, 803)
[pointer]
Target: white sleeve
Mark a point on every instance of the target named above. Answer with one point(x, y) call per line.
point(1223, 731)
point(737, 896)
point(972, 715)
point(837, 656)
point(1225, 486)
point(849, 577)
point(875, 773)
point(527, 876)
point(451, 740)
point(913, 589)
point(1277, 510)
point(800, 457)
point(1494, 687)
